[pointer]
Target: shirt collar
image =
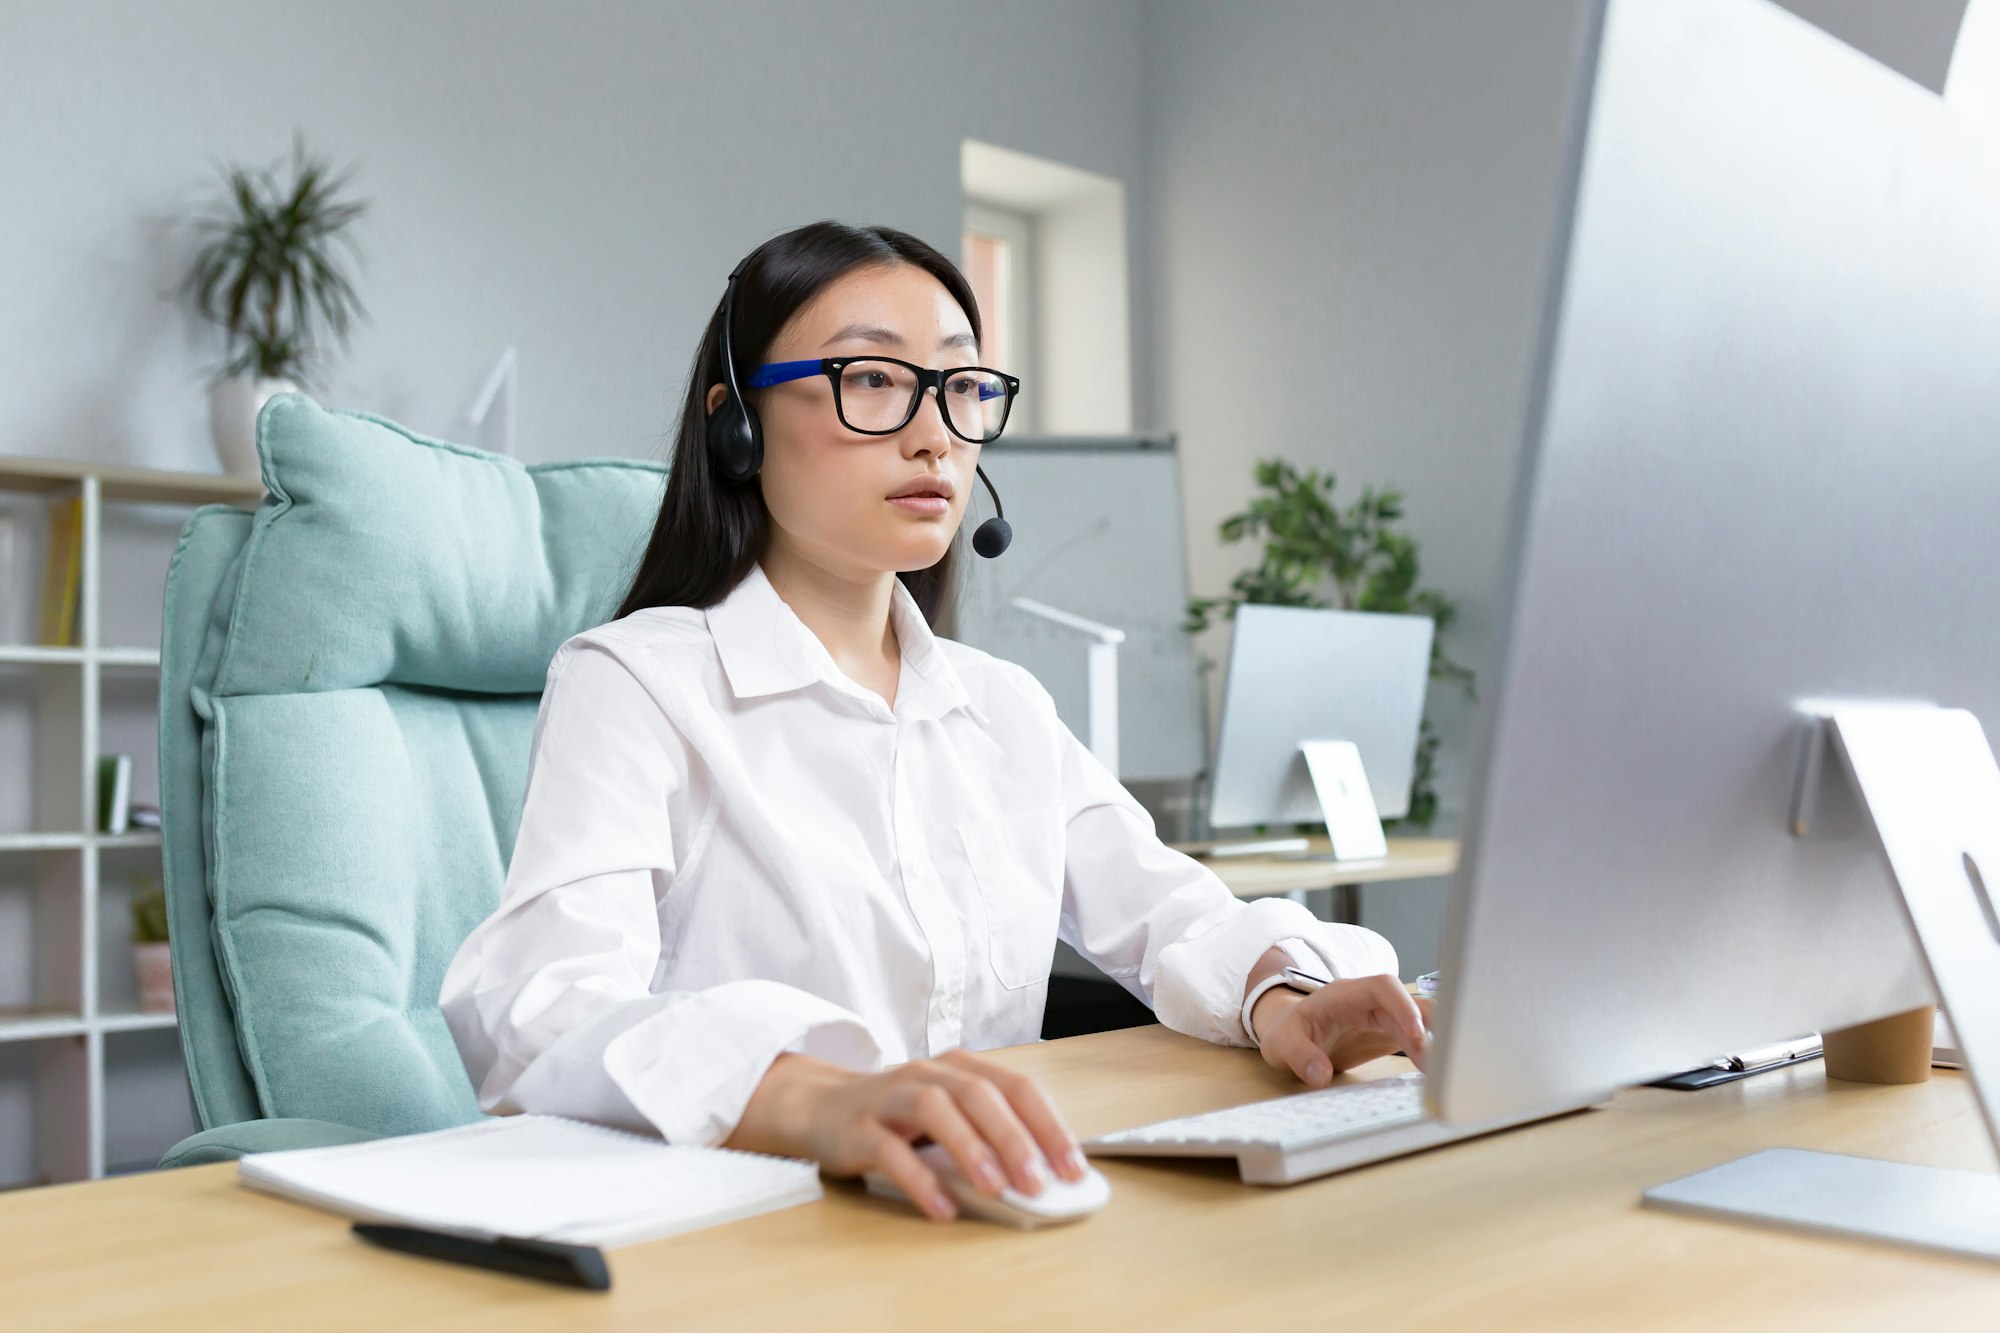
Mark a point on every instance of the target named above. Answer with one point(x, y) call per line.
point(766, 649)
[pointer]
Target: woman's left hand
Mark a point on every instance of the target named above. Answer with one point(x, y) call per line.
point(1341, 1025)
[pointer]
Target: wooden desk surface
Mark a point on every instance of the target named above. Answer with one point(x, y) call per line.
point(1263, 876)
point(1537, 1228)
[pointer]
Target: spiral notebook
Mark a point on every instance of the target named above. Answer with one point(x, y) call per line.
point(542, 1176)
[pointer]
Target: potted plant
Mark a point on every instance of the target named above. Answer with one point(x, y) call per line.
point(1313, 549)
point(150, 957)
point(272, 276)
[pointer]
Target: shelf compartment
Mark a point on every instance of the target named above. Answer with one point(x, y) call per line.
point(128, 722)
point(41, 719)
point(122, 872)
point(24, 539)
point(135, 545)
point(42, 913)
point(147, 1107)
point(45, 1132)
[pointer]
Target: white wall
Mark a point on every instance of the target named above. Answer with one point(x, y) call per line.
point(1083, 292)
point(1079, 373)
point(1350, 209)
point(574, 178)
point(1338, 208)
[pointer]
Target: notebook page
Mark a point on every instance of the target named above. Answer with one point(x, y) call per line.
point(536, 1175)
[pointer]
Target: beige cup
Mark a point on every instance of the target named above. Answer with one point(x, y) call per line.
point(1896, 1049)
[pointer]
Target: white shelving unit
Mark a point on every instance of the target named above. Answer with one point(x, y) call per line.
point(89, 1082)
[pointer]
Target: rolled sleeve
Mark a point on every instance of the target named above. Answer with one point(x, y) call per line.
point(549, 1000)
point(690, 1069)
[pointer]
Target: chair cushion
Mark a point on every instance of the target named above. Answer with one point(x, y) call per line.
point(369, 683)
point(362, 834)
point(385, 557)
point(226, 1143)
point(203, 562)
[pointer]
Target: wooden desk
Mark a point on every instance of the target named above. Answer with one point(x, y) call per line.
point(1266, 876)
point(1537, 1228)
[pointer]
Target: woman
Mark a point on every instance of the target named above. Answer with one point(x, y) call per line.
point(777, 835)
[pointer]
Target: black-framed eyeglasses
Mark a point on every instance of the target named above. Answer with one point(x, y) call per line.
point(879, 395)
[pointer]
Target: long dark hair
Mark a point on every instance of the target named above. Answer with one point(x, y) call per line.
point(710, 532)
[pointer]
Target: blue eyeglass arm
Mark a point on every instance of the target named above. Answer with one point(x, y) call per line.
point(783, 372)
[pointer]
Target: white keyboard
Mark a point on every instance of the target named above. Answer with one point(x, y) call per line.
point(1291, 1138)
point(1290, 1122)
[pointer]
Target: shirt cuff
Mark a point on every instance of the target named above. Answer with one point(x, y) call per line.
point(1200, 986)
point(1305, 958)
point(693, 1088)
point(1347, 951)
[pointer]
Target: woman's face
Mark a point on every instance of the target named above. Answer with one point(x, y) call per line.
point(828, 487)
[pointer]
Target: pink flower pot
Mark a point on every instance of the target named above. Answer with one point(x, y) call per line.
point(155, 966)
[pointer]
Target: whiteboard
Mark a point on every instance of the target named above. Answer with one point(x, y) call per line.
point(1097, 532)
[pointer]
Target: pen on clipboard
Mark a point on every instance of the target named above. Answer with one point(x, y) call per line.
point(1798, 1048)
point(548, 1260)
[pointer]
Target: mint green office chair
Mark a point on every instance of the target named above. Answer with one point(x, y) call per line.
point(349, 678)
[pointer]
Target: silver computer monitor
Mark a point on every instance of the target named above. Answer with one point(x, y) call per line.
point(1300, 674)
point(1761, 469)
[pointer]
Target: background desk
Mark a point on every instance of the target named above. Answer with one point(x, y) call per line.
point(1266, 876)
point(1537, 1228)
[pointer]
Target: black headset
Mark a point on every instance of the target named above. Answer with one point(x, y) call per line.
point(736, 437)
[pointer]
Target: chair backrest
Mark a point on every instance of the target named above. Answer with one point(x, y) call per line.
point(349, 678)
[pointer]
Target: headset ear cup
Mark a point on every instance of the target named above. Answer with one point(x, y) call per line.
point(734, 449)
point(735, 436)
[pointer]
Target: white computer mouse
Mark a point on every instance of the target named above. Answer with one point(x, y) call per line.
point(1060, 1200)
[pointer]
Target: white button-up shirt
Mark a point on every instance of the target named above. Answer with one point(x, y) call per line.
point(728, 850)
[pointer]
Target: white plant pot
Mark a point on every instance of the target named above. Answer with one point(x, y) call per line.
point(233, 405)
point(155, 965)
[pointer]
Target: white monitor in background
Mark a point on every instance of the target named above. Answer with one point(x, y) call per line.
point(1760, 483)
point(1301, 674)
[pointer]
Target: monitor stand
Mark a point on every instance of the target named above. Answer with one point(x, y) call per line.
point(1928, 787)
point(1345, 801)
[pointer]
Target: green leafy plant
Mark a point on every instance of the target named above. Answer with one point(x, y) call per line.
point(271, 273)
point(149, 911)
point(1318, 554)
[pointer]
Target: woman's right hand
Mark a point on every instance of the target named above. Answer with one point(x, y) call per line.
point(998, 1126)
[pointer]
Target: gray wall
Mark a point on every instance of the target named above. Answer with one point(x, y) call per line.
point(1350, 207)
point(574, 178)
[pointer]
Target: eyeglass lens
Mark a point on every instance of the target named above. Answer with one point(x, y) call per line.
point(881, 396)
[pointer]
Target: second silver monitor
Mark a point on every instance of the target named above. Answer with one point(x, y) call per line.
point(1301, 674)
